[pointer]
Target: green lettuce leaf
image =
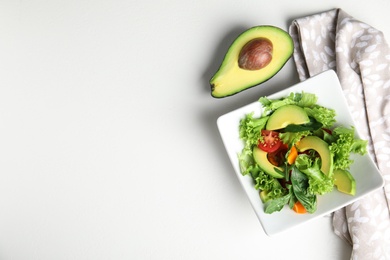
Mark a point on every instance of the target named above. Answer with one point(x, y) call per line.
point(302, 99)
point(319, 183)
point(323, 115)
point(345, 143)
point(306, 99)
point(250, 128)
point(291, 138)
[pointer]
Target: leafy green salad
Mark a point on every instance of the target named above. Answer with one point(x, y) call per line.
point(294, 151)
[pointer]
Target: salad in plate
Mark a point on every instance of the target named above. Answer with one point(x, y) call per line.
point(295, 151)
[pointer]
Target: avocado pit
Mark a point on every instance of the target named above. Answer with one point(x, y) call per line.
point(256, 54)
point(234, 76)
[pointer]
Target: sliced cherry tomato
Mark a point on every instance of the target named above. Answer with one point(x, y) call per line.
point(270, 141)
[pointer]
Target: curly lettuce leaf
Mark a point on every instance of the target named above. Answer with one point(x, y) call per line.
point(245, 160)
point(272, 186)
point(302, 99)
point(345, 143)
point(319, 183)
point(250, 128)
point(323, 115)
point(306, 99)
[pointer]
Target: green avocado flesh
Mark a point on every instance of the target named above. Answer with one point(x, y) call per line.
point(232, 78)
point(344, 182)
point(262, 160)
point(322, 148)
point(287, 115)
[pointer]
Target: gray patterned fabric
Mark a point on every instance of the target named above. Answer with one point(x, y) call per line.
point(361, 58)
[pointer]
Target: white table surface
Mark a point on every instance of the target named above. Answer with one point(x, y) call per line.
point(108, 141)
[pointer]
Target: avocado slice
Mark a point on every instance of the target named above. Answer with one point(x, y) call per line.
point(254, 57)
point(286, 115)
point(264, 196)
point(322, 148)
point(261, 159)
point(345, 182)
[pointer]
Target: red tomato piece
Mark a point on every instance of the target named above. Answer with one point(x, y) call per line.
point(270, 141)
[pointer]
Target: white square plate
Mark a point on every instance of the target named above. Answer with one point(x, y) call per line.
point(328, 90)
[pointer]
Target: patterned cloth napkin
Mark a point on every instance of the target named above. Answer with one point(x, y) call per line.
point(361, 58)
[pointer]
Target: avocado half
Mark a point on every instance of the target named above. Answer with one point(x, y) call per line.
point(231, 78)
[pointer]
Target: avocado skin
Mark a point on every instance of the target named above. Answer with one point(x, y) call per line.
point(230, 79)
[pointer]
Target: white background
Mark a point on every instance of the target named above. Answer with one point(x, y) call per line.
point(108, 141)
